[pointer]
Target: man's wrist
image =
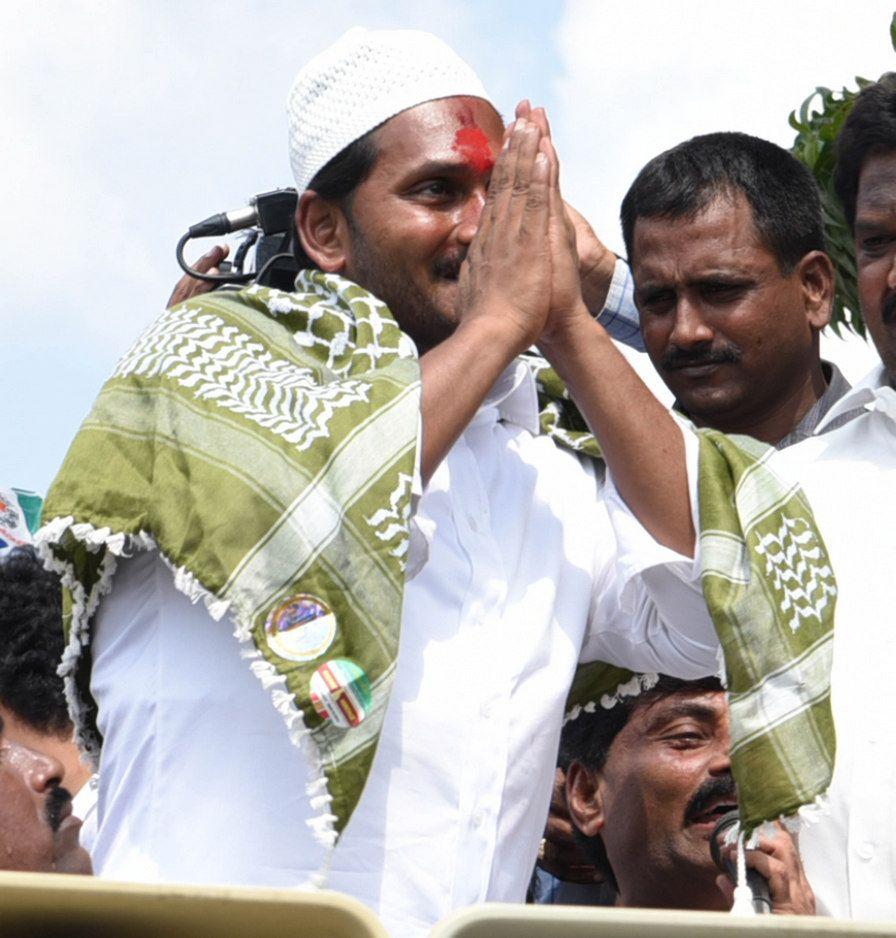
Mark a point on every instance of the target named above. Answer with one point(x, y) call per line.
point(563, 343)
point(597, 275)
point(494, 333)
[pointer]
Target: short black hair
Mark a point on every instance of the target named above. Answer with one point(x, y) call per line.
point(31, 643)
point(869, 128)
point(587, 739)
point(338, 179)
point(781, 191)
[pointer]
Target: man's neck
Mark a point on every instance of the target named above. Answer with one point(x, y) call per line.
point(674, 895)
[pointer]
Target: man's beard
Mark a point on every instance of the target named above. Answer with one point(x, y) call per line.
point(415, 310)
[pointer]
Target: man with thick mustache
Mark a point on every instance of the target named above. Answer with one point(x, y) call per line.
point(647, 781)
point(725, 236)
point(38, 832)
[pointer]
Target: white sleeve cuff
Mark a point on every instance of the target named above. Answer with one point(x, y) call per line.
point(653, 617)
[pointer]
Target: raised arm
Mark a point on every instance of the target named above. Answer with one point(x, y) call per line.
point(642, 443)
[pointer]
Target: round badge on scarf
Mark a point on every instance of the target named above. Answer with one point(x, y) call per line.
point(341, 692)
point(301, 629)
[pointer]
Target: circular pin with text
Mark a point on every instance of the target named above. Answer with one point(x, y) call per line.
point(341, 692)
point(301, 629)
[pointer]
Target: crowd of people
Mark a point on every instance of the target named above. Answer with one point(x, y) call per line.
point(342, 570)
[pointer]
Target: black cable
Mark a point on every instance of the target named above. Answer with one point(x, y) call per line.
point(243, 249)
point(270, 263)
point(208, 278)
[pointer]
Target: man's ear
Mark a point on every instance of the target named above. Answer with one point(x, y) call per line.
point(816, 273)
point(584, 798)
point(323, 231)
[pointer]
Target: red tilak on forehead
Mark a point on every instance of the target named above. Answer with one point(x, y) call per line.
point(472, 144)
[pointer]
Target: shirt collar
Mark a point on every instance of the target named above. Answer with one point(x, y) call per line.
point(873, 392)
point(513, 397)
point(813, 418)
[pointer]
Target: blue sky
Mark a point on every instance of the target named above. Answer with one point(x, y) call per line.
point(127, 121)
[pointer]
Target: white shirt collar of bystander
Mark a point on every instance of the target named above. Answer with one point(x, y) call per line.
point(873, 392)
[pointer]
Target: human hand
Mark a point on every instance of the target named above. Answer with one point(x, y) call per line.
point(505, 279)
point(188, 286)
point(596, 262)
point(559, 853)
point(777, 859)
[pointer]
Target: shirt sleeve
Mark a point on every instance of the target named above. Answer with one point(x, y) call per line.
point(648, 612)
point(620, 315)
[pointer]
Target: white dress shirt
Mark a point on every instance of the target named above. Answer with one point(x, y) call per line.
point(199, 781)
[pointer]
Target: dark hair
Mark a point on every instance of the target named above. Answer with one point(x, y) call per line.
point(31, 643)
point(781, 191)
point(869, 128)
point(337, 180)
point(588, 738)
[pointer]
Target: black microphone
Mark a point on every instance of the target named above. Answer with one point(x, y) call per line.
point(762, 902)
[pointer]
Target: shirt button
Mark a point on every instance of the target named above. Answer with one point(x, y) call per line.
point(478, 818)
point(471, 520)
point(865, 850)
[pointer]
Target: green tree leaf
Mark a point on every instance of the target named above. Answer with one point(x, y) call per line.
point(817, 123)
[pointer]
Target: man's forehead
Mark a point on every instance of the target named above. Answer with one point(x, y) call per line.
point(721, 234)
point(877, 183)
point(697, 703)
point(441, 116)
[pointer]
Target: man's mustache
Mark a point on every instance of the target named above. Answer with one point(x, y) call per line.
point(57, 800)
point(888, 310)
point(676, 357)
point(713, 790)
point(448, 267)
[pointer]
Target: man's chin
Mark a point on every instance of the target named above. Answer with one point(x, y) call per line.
point(70, 856)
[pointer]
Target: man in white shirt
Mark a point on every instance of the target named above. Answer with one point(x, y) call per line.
point(848, 475)
point(648, 781)
point(513, 555)
point(756, 308)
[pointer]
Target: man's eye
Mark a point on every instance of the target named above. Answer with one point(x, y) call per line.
point(685, 734)
point(876, 245)
point(656, 303)
point(435, 189)
point(722, 292)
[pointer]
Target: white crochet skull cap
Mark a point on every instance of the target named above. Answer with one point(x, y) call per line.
point(363, 79)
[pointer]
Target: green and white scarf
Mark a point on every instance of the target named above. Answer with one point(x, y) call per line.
point(770, 589)
point(265, 443)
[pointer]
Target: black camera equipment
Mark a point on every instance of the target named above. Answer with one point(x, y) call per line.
point(269, 220)
point(762, 903)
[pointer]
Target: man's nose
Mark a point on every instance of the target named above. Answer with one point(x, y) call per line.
point(720, 758)
point(891, 274)
point(39, 770)
point(689, 328)
point(470, 213)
